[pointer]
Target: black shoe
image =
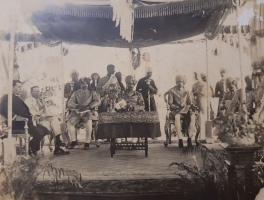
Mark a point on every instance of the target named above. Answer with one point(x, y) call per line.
point(86, 146)
point(72, 145)
point(189, 143)
point(180, 143)
point(63, 144)
point(61, 152)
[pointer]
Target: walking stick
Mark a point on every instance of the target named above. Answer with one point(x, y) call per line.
point(148, 83)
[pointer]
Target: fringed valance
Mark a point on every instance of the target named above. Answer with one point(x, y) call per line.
point(158, 10)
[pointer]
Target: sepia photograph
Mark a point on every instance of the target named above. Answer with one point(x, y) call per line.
point(131, 99)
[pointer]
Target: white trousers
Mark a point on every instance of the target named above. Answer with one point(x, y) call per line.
point(88, 130)
point(53, 125)
point(178, 126)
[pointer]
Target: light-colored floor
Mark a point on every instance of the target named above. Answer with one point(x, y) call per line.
point(97, 164)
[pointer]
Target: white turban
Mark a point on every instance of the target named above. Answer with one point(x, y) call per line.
point(148, 69)
point(180, 78)
point(222, 69)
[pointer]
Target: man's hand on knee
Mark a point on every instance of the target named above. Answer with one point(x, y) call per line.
point(80, 107)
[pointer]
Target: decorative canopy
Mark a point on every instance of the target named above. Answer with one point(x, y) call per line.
point(113, 23)
point(153, 23)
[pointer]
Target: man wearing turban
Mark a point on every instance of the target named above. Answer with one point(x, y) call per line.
point(231, 84)
point(134, 99)
point(73, 85)
point(146, 86)
point(82, 103)
point(131, 99)
point(178, 99)
point(236, 101)
point(220, 87)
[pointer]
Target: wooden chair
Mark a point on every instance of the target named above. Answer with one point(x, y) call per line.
point(22, 134)
point(170, 120)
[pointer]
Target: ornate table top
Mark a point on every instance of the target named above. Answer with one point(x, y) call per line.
point(129, 117)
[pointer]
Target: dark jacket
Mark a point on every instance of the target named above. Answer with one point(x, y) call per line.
point(18, 108)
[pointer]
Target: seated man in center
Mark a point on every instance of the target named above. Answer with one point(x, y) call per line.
point(178, 100)
point(82, 103)
point(134, 100)
point(131, 100)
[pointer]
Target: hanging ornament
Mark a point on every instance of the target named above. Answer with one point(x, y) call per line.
point(65, 51)
point(245, 49)
point(29, 46)
point(234, 29)
point(215, 52)
point(242, 29)
point(231, 41)
point(123, 15)
point(36, 44)
point(227, 29)
point(247, 29)
point(135, 57)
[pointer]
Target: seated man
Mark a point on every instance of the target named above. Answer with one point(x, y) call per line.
point(178, 100)
point(20, 110)
point(38, 111)
point(81, 103)
point(131, 99)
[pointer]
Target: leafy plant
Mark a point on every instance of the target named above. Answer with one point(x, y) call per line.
point(236, 129)
point(18, 180)
point(208, 181)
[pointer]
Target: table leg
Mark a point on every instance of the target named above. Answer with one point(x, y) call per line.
point(146, 147)
point(249, 180)
point(169, 131)
point(112, 147)
point(232, 182)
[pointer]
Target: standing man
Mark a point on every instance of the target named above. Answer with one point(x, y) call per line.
point(236, 102)
point(105, 81)
point(220, 87)
point(73, 85)
point(39, 112)
point(20, 111)
point(103, 85)
point(119, 79)
point(195, 89)
point(146, 86)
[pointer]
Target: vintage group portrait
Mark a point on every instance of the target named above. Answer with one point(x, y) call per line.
point(132, 99)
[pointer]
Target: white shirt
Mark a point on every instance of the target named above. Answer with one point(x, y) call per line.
point(33, 106)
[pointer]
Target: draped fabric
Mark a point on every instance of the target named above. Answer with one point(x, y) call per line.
point(142, 11)
point(91, 22)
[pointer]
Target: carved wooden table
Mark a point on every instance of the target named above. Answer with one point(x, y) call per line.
point(129, 125)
